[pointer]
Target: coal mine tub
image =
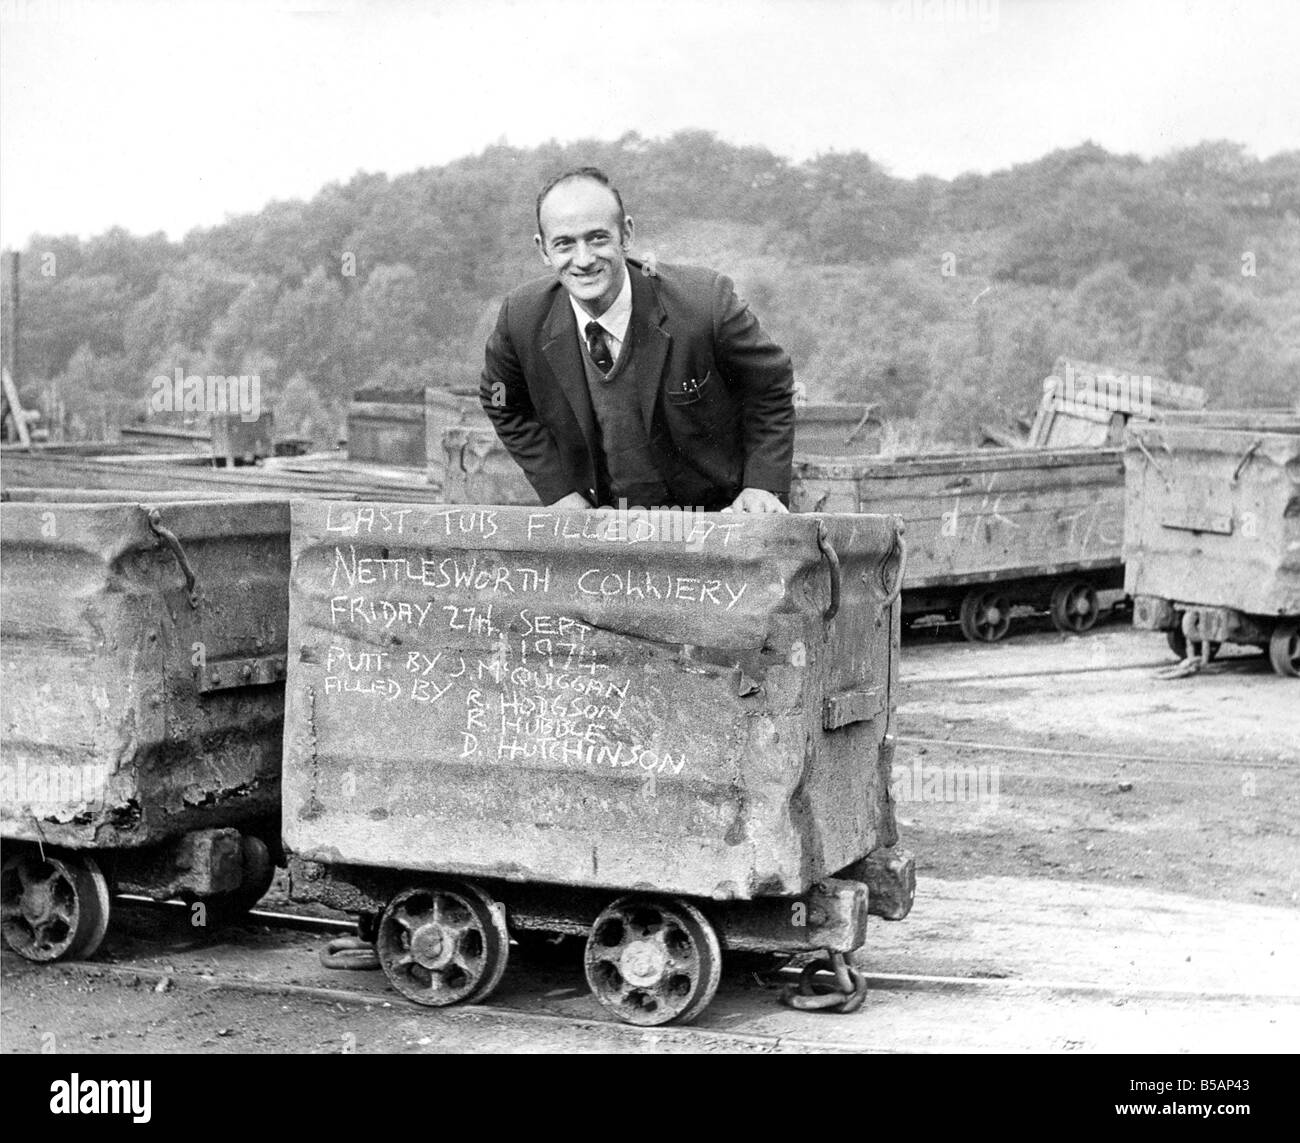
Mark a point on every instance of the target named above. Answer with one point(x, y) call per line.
point(666, 733)
point(991, 530)
point(142, 666)
point(1212, 532)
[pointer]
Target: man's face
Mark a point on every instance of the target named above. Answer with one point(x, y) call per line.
point(585, 242)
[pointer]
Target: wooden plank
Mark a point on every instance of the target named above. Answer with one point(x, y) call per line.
point(1134, 389)
point(20, 469)
point(907, 467)
point(16, 410)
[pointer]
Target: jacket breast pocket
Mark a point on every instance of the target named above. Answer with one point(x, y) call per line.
point(691, 390)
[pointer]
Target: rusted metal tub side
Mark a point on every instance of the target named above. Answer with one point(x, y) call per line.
point(475, 468)
point(447, 409)
point(583, 699)
point(973, 517)
point(1213, 512)
point(828, 429)
point(135, 707)
point(387, 427)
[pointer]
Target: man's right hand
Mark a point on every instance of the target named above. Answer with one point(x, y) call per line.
point(574, 502)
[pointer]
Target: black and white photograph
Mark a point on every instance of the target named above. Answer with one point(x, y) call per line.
point(660, 528)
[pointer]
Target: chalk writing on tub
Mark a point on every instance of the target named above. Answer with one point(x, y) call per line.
point(385, 688)
point(357, 609)
point(463, 522)
point(366, 518)
point(340, 657)
point(375, 519)
point(647, 585)
point(471, 620)
point(506, 683)
point(471, 574)
point(558, 680)
point(588, 753)
point(635, 526)
point(1079, 531)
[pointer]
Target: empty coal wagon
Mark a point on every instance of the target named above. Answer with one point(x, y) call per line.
point(142, 701)
point(989, 530)
point(666, 732)
point(1212, 532)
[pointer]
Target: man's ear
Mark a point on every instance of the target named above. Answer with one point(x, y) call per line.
point(541, 248)
point(627, 232)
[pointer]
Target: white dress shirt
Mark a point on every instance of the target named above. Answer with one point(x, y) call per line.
point(614, 320)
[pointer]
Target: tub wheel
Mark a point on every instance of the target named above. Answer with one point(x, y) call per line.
point(54, 908)
point(1284, 648)
point(1074, 606)
point(985, 615)
point(259, 873)
point(653, 962)
point(443, 944)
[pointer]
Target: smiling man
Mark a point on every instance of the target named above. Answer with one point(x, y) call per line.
point(612, 380)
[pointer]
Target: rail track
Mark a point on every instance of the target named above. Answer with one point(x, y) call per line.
point(892, 981)
point(981, 1006)
point(1215, 764)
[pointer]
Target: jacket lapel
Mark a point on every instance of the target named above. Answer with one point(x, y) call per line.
point(560, 347)
point(650, 341)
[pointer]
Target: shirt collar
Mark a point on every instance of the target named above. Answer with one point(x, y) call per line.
point(615, 319)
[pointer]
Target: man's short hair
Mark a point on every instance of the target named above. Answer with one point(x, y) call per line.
point(596, 175)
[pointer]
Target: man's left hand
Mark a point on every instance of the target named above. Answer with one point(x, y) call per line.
point(756, 500)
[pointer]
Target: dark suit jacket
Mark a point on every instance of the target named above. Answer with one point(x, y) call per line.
point(715, 393)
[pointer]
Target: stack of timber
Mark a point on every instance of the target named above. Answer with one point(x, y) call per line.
point(1085, 403)
point(329, 474)
point(228, 438)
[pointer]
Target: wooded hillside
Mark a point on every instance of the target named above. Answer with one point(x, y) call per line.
point(946, 301)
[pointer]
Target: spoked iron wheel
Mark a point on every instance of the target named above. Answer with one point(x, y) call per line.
point(985, 615)
point(1074, 606)
point(1284, 648)
point(443, 944)
point(53, 908)
point(259, 872)
point(652, 962)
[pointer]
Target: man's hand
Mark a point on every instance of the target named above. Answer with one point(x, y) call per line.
point(756, 500)
point(574, 502)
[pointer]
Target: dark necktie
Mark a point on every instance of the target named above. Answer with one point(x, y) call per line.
point(598, 347)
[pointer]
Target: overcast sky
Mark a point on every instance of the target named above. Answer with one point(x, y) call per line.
point(166, 116)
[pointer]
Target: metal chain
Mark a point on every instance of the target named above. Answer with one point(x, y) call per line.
point(845, 995)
